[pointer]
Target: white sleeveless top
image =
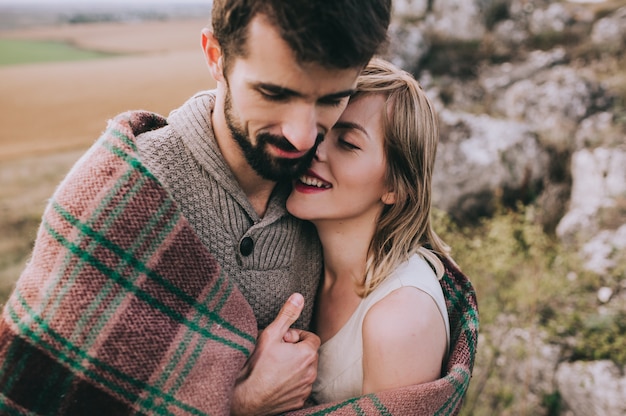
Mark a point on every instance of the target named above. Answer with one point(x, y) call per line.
point(340, 367)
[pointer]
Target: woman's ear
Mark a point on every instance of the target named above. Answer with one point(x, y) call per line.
point(389, 198)
point(213, 54)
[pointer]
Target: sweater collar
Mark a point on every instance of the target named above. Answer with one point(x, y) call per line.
point(192, 121)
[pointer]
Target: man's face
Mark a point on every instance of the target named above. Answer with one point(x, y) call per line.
point(257, 152)
point(276, 109)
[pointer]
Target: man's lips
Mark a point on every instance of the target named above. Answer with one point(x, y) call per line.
point(287, 154)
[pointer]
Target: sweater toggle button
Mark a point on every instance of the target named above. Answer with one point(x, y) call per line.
point(245, 246)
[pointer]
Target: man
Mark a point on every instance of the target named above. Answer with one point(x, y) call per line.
point(128, 304)
point(282, 83)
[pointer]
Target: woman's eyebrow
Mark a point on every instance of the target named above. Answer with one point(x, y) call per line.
point(338, 95)
point(350, 125)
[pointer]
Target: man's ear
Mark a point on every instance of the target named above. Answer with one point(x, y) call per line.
point(213, 54)
point(389, 198)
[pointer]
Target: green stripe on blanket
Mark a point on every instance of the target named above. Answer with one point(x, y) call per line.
point(121, 309)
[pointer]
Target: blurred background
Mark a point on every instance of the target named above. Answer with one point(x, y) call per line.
point(530, 182)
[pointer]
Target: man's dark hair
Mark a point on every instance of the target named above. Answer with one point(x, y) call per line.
point(337, 34)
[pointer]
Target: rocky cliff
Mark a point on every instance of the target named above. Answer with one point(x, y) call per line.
point(532, 102)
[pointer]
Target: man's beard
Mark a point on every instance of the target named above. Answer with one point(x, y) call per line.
point(258, 157)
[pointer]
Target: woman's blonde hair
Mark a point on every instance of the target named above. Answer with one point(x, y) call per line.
point(411, 134)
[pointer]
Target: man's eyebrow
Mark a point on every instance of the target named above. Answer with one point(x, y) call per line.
point(349, 125)
point(277, 89)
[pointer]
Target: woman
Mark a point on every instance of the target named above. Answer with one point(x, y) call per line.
point(380, 314)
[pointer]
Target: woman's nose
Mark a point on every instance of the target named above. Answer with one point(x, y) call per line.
point(320, 153)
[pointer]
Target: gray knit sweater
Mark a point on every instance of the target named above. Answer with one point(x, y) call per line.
point(269, 258)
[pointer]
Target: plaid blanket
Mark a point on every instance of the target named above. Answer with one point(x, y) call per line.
point(122, 310)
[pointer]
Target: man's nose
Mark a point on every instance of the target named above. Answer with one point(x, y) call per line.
point(300, 126)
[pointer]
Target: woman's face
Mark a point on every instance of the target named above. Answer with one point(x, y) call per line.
point(347, 177)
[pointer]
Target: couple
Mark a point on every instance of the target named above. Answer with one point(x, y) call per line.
point(380, 313)
point(168, 246)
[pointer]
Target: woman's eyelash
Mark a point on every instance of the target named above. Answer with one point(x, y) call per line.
point(348, 145)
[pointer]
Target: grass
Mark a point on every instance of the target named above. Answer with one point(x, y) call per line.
point(26, 186)
point(19, 51)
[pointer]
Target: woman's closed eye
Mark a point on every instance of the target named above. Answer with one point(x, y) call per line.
point(347, 145)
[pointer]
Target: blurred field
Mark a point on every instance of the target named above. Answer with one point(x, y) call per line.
point(50, 113)
point(56, 106)
point(20, 51)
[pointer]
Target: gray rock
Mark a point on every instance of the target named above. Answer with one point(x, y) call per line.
point(461, 20)
point(408, 45)
point(410, 9)
point(592, 388)
point(522, 9)
point(480, 157)
point(498, 77)
point(554, 100)
point(522, 359)
point(599, 130)
point(507, 36)
point(554, 18)
point(598, 182)
point(609, 33)
point(601, 252)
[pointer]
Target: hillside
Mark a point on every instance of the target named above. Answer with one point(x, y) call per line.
point(50, 113)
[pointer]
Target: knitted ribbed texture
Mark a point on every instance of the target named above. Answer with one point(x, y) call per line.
point(285, 255)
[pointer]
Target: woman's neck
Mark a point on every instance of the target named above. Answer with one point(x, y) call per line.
point(345, 244)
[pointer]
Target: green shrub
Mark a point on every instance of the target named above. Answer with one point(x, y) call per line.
point(524, 278)
point(516, 268)
point(552, 403)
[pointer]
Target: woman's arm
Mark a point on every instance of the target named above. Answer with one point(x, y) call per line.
point(404, 341)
